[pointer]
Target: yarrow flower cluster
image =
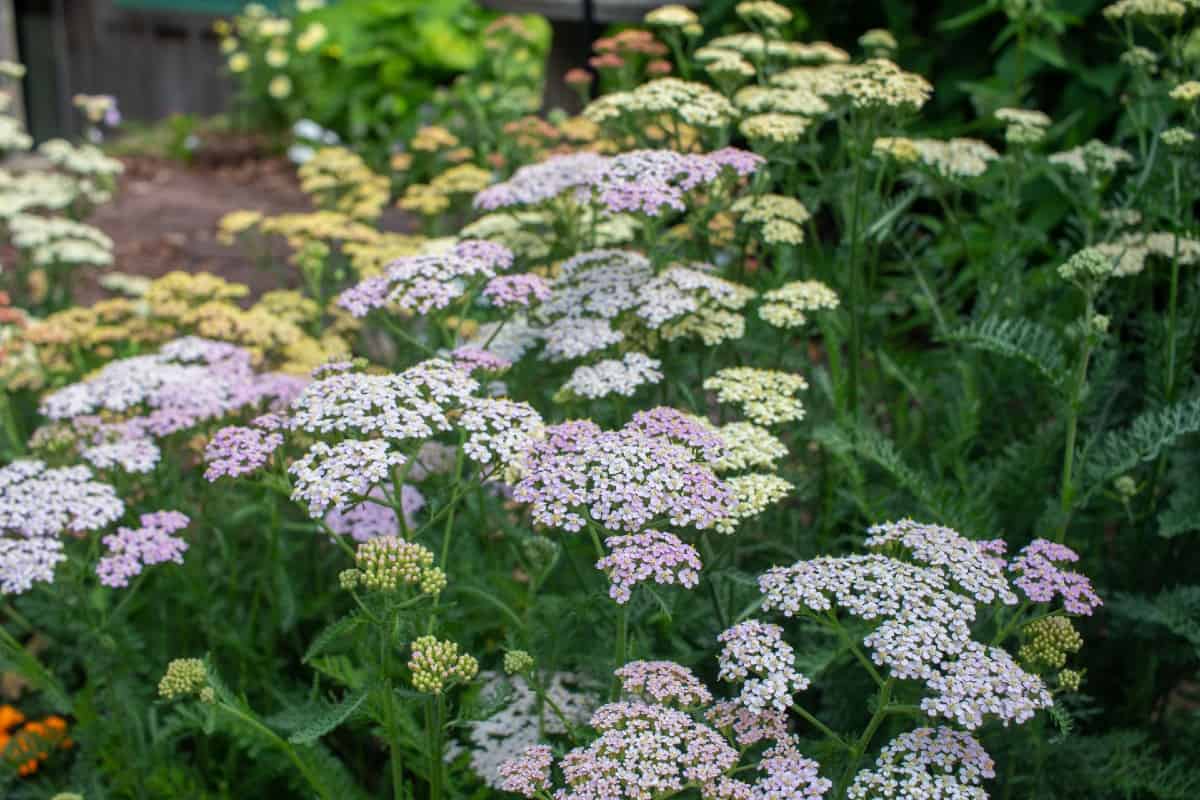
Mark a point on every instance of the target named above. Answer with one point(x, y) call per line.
point(138, 456)
point(789, 305)
point(664, 683)
point(235, 451)
point(649, 748)
point(765, 396)
point(655, 555)
point(189, 381)
point(499, 431)
point(335, 476)
point(929, 763)
point(421, 284)
point(1041, 579)
point(537, 183)
point(601, 294)
point(611, 376)
point(756, 656)
point(650, 181)
point(923, 625)
point(621, 480)
point(130, 549)
point(38, 501)
point(523, 290)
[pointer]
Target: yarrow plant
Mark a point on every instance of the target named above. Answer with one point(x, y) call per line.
point(571, 485)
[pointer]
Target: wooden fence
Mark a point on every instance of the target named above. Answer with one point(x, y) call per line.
point(156, 62)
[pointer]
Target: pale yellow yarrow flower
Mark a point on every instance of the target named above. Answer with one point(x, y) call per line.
point(280, 87)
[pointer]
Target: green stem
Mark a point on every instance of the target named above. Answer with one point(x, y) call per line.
point(821, 726)
point(855, 292)
point(1077, 383)
point(622, 647)
point(864, 741)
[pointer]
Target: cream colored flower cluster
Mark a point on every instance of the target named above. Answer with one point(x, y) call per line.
point(789, 305)
point(1025, 126)
point(1131, 250)
point(693, 103)
point(780, 218)
point(339, 180)
point(765, 396)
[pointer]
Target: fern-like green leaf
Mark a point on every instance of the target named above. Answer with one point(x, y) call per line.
point(332, 633)
point(1117, 452)
point(315, 722)
point(1020, 339)
point(1182, 514)
point(15, 657)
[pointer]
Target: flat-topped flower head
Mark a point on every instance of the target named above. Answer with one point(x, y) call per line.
point(473, 359)
point(412, 404)
point(765, 396)
point(522, 290)
point(1048, 642)
point(755, 493)
point(928, 763)
point(136, 455)
point(537, 183)
point(790, 304)
point(984, 681)
point(663, 683)
point(748, 446)
point(693, 103)
point(611, 376)
point(332, 477)
point(188, 382)
point(235, 451)
point(425, 283)
point(622, 480)
point(970, 565)
point(679, 428)
point(1094, 158)
point(653, 181)
point(24, 562)
point(755, 655)
point(38, 501)
point(955, 158)
point(130, 549)
point(528, 774)
point(645, 751)
point(671, 16)
point(1041, 578)
point(764, 12)
point(655, 555)
point(499, 431)
point(922, 622)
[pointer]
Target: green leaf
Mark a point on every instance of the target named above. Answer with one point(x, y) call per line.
point(329, 636)
point(15, 657)
point(1020, 339)
point(319, 720)
point(1117, 452)
point(967, 18)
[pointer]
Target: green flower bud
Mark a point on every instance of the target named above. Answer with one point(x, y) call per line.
point(517, 662)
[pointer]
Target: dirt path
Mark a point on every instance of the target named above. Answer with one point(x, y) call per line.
point(165, 217)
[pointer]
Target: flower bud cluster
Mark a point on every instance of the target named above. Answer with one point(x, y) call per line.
point(1048, 642)
point(184, 676)
point(388, 562)
point(437, 664)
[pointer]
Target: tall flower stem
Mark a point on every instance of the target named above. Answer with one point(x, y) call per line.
point(622, 651)
point(437, 775)
point(856, 310)
point(864, 741)
point(1074, 401)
